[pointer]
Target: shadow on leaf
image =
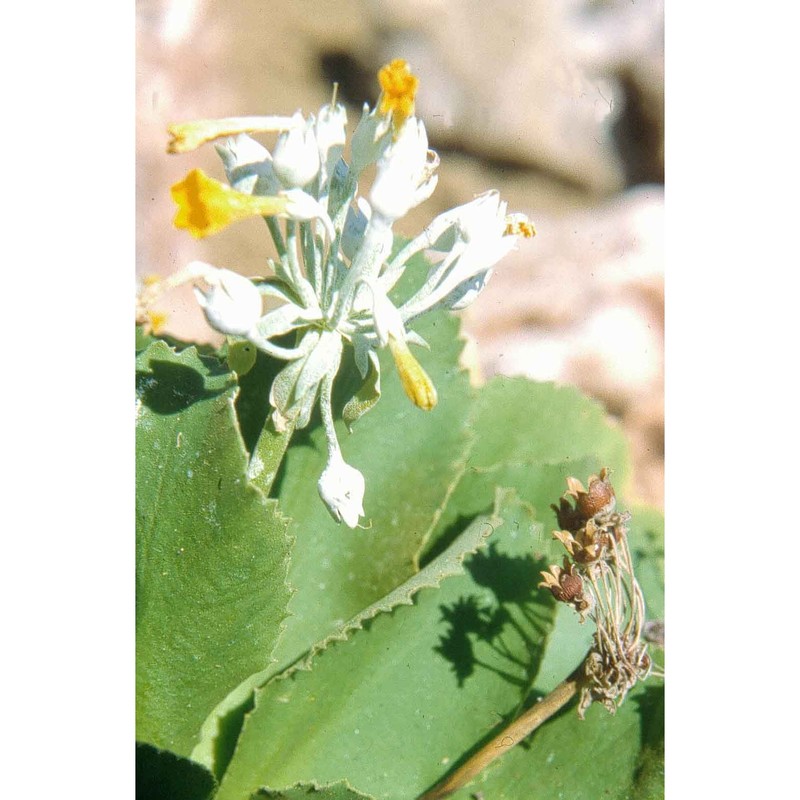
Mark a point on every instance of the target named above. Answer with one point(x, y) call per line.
point(167, 388)
point(505, 630)
point(252, 402)
point(162, 775)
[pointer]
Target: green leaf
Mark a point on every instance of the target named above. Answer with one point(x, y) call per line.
point(446, 565)
point(649, 776)
point(646, 539)
point(212, 552)
point(161, 775)
point(144, 340)
point(392, 706)
point(529, 422)
point(221, 730)
point(530, 436)
point(409, 459)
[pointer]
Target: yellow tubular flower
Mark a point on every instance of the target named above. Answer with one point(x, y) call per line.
point(416, 383)
point(398, 87)
point(188, 136)
point(206, 206)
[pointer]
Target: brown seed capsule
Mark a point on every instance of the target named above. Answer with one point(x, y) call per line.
point(571, 586)
point(598, 498)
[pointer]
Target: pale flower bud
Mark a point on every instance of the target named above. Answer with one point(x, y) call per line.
point(232, 305)
point(404, 176)
point(341, 488)
point(296, 156)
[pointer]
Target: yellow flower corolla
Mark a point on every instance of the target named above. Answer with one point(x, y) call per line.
point(188, 136)
point(398, 87)
point(416, 383)
point(206, 206)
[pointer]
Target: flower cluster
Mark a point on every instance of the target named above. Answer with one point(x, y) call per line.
point(332, 283)
point(597, 580)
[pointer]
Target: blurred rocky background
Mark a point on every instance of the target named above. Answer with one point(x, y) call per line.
point(559, 104)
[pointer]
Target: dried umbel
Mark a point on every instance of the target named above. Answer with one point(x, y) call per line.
point(589, 526)
point(597, 580)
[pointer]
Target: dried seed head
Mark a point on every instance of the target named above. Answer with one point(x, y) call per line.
point(587, 528)
point(597, 580)
point(566, 586)
point(599, 499)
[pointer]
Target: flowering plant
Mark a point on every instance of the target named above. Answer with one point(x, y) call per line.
point(282, 654)
point(334, 274)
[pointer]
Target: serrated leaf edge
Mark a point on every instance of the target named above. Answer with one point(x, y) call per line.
point(448, 564)
point(265, 791)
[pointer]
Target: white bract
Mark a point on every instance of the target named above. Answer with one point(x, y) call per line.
point(332, 281)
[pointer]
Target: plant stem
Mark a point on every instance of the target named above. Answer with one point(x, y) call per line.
point(512, 734)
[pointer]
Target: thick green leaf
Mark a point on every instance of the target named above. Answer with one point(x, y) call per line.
point(409, 459)
point(527, 422)
point(446, 565)
point(220, 732)
point(212, 552)
point(161, 775)
point(530, 436)
point(405, 696)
